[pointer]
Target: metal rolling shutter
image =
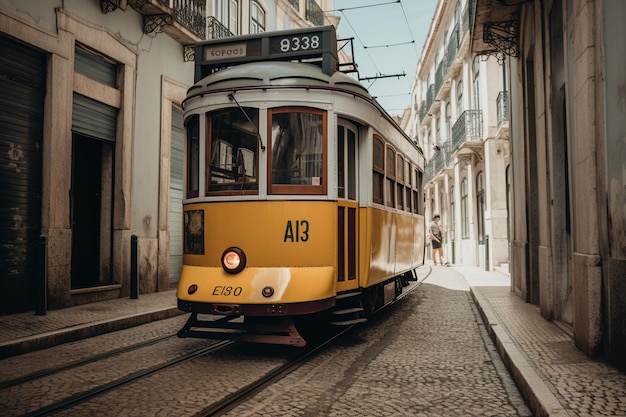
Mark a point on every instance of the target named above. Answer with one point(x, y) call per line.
point(22, 92)
point(93, 118)
point(176, 195)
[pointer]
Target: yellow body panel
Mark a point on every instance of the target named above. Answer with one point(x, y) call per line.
point(290, 246)
point(392, 242)
point(272, 234)
point(350, 284)
point(291, 285)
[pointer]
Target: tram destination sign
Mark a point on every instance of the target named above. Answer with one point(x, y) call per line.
point(311, 44)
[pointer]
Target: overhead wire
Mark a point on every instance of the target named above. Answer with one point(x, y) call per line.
point(367, 48)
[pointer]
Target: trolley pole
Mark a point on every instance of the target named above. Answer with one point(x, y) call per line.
point(134, 278)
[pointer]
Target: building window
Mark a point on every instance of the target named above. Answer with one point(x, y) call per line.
point(227, 12)
point(476, 70)
point(464, 210)
point(459, 98)
point(451, 222)
point(257, 18)
point(480, 205)
point(448, 121)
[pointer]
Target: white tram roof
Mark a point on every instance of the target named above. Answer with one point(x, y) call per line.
point(276, 73)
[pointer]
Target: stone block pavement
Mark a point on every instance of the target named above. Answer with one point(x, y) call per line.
point(555, 378)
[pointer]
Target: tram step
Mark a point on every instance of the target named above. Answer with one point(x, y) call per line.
point(348, 295)
point(348, 322)
point(347, 311)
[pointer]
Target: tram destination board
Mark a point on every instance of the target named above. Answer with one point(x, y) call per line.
point(285, 45)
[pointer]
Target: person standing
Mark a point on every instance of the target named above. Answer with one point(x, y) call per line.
point(436, 240)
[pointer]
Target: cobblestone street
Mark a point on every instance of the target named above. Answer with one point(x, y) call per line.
point(428, 355)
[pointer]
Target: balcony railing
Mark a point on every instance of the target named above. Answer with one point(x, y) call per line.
point(502, 103)
point(183, 20)
point(440, 161)
point(216, 30)
point(468, 128)
point(189, 13)
point(423, 110)
point(295, 4)
point(430, 96)
point(314, 13)
point(443, 68)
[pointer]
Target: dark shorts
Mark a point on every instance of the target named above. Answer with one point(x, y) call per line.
point(436, 245)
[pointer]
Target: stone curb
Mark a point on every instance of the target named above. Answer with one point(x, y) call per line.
point(537, 394)
point(83, 331)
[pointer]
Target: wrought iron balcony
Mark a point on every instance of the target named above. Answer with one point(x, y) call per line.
point(295, 4)
point(423, 111)
point(183, 20)
point(216, 30)
point(448, 66)
point(314, 13)
point(467, 128)
point(430, 97)
point(439, 162)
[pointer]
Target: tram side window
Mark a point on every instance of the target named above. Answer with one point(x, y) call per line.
point(390, 165)
point(400, 182)
point(341, 190)
point(233, 151)
point(298, 157)
point(407, 186)
point(193, 156)
point(417, 193)
point(378, 175)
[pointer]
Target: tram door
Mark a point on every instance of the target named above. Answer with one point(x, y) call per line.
point(348, 207)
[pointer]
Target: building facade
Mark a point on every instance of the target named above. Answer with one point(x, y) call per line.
point(460, 118)
point(566, 67)
point(91, 138)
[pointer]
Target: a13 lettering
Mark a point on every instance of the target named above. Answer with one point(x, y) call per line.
point(296, 231)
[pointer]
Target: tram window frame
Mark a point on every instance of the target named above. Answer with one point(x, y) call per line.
point(417, 186)
point(192, 127)
point(352, 164)
point(390, 176)
point(341, 188)
point(234, 132)
point(318, 184)
point(407, 186)
point(400, 181)
point(378, 168)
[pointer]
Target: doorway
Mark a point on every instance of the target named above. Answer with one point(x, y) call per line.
point(91, 208)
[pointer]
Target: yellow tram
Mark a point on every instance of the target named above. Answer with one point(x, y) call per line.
point(303, 196)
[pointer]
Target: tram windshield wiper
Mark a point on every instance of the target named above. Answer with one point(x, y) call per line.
point(231, 97)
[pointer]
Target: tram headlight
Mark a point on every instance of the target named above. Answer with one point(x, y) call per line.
point(233, 260)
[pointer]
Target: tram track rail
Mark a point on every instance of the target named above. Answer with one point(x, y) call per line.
point(81, 362)
point(81, 397)
point(239, 397)
point(216, 408)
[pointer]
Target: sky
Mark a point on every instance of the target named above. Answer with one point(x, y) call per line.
point(388, 40)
